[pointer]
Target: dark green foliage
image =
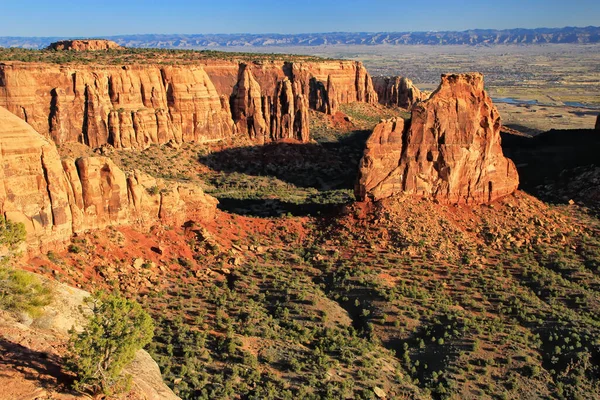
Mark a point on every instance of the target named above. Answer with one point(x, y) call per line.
point(116, 328)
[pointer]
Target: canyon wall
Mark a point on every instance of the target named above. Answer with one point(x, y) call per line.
point(449, 150)
point(137, 105)
point(55, 198)
point(397, 91)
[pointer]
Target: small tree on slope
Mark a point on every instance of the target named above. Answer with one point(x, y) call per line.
point(115, 330)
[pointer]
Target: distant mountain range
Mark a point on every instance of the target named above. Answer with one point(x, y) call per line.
point(590, 34)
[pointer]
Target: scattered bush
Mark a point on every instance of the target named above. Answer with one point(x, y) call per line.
point(23, 291)
point(116, 328)
point(19, 290)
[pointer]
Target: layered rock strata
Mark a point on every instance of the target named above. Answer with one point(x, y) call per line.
point(137, 105)
point(397, 91)
point(84, 45)
point(449, 150)
point(55, 198)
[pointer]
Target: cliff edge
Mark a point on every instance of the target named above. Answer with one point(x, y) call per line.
point(136, 105)
point(55, 198)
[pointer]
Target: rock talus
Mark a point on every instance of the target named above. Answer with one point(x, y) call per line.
point(449, 150)
point(55, 198)
point(134, 106)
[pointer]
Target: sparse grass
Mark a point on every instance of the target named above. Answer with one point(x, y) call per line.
point(144, 56)
point(422, 300)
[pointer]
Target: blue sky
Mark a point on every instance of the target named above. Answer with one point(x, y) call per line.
point(109, 17)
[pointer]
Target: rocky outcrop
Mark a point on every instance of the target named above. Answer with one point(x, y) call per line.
point(397, 91)
point(449, 150)
point(41, 341)
point(137, 105)
point(84, 45)
point(55, 198)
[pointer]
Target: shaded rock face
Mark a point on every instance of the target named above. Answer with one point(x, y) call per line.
point(55, 198)
point(397, 91)
point(598, 123)
point(449, 150)
point(136, 106)
point(84, 45)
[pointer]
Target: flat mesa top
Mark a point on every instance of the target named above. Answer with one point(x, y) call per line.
point(143, 56)
point(84, 45)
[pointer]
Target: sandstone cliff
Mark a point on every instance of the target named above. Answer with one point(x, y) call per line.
point(397, 91)
point(55, 198)
point(84, 45)
point(449, 150)
point(137, 105)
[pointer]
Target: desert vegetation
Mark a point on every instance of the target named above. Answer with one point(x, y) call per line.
point(142, 56)
point(114, 330)
point(407, 299)
point(20, 291)
point(296, 291)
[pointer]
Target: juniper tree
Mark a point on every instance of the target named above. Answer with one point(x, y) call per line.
point(116, 329)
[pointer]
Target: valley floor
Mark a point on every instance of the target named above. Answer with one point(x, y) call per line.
point(296, 291)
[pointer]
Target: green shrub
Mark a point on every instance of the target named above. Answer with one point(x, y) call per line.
point(73, 248)
point(11, 233)
point(115, 330)
point(19, 290)
point(22, 291)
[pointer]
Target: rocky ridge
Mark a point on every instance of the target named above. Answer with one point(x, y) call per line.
point(449, 150)
point(84, 45)
point(55, 198)
point(133, 106)
point(397, 91)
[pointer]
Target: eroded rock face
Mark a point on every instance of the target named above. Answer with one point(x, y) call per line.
point(84, 45)
point(135, 106)
point(55, 198)
point(449, 150)
point(32, 182)
point(397, 91)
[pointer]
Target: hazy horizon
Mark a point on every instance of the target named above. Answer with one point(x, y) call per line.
point(289, 34)
point(112, 18)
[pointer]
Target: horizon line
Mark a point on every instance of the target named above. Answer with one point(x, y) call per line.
point(296, 34)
